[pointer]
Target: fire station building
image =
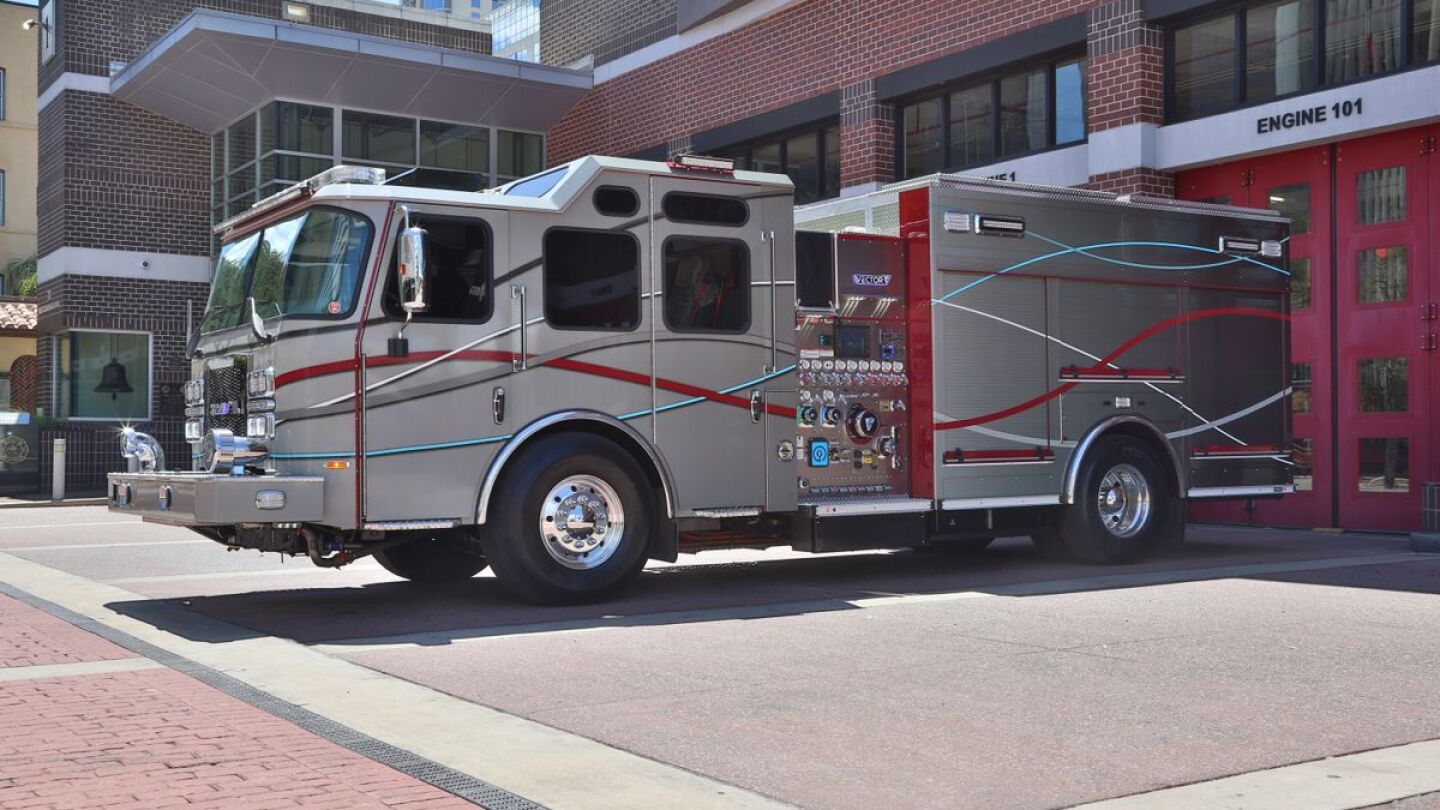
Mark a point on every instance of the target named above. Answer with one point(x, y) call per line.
point(1326, 109)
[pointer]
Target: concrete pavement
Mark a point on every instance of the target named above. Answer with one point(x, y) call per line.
point(903, 680)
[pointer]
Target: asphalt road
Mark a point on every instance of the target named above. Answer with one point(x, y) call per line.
point(905, 679)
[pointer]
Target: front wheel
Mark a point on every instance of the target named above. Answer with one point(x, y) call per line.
point(572, 520)
point(1123, 507)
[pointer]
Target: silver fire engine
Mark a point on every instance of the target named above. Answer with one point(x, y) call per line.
point(617, 360)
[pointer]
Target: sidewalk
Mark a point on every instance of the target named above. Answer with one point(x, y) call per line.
point(88, 724)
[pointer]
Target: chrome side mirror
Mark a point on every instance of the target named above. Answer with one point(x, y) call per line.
point(411, 268)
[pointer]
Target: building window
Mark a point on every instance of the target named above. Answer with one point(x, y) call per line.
point(1385, 385)
point(2, 198)
point(1279, 49)
point(1204, 67)
point(1007, 116)
point(1384, 465)
point(811, 158)
point(1293, 202)
point(102, 375)
point(376, 138)
point(458, 258)
point(1380, 275)
point(1380, 196)
point(1361, 39)
point(1269, 50)
point(1300, 283)
point(520, 154)
point(707, 284)
point(1303, 471)
point(285, 142)
point(592, 280)
point(1301, 385)
point(2, 94)
point(1426, 44)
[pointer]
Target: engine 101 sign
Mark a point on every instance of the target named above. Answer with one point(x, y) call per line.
point(1309, 115)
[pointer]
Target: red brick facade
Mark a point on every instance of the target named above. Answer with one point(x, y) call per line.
point(806, 49)
point(1135, 181)
point(1125, 78)
point(820, 46)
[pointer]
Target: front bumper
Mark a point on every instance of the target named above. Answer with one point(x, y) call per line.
point(206, 499)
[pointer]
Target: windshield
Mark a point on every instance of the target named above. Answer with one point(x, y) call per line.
point(537, 185)
point(309, 264)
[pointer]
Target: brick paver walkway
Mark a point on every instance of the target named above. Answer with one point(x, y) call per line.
point(150, 739)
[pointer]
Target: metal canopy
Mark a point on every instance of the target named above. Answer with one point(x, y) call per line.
point(214, 67)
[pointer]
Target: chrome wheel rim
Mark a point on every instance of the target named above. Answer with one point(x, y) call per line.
point(1124, 501)
point(582, 522)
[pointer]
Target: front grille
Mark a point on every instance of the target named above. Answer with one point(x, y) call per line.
point(225, 397)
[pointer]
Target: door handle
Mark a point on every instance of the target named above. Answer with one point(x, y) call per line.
point(756, 405)
point(768, 237)
point(497, 404)
point(522, 343)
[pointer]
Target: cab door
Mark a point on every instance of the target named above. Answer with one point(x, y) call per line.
point(717, 315)
point(426, 415)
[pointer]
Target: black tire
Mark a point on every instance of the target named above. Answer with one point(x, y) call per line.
point(451, 556)
point(527, 561)
point(1107, 532)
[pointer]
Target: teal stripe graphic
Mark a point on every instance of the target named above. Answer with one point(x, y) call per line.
point(420, 448)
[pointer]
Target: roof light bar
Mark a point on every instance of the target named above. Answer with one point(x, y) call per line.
point(703, 163)
point(365, 175)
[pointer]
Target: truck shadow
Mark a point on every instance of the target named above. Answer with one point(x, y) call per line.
point(427, 614)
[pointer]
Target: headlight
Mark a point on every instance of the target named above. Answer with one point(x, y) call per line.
point(194, 392)
point(260, 383)
point(260, 426)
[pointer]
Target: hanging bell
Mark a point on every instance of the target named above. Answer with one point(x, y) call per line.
point(113, 380)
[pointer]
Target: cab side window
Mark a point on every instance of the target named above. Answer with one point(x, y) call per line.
point(459, 268)
point(592, 279)
point(707, 284)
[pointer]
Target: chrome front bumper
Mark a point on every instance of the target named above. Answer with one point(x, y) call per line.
point(207, 499)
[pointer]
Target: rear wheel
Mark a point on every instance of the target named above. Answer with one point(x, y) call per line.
point(448, 556)
point(573, 515)
point(1123, 507)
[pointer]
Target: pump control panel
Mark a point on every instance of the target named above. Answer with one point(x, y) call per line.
point(853, 412)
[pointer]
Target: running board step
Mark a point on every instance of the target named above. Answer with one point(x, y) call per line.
point(410, 525)
point(728, 512)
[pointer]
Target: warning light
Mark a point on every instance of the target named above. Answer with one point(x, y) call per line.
point(337, 465)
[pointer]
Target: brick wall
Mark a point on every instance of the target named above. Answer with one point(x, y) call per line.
point(1135, 181)
point(807, 49)
point(115, 176)
point(604, 29)
point(93, 33)
point(94, 302)
point(1126, 73)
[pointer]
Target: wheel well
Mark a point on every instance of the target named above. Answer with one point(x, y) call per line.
point(1164, 453)
point(1138, 429)
point(616, 435)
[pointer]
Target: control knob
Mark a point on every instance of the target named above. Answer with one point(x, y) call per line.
point(863, 423)
point(808, 415)
point(831, 415)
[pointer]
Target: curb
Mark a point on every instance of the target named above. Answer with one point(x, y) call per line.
point(98, 501)
point(1428, 542)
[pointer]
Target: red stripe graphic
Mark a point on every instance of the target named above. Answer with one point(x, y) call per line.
point(1111, 357)
point(563, 364)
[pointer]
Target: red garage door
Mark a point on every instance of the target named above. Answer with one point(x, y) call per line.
point(1363, 303)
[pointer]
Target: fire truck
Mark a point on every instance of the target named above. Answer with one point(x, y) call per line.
point(618, 360)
